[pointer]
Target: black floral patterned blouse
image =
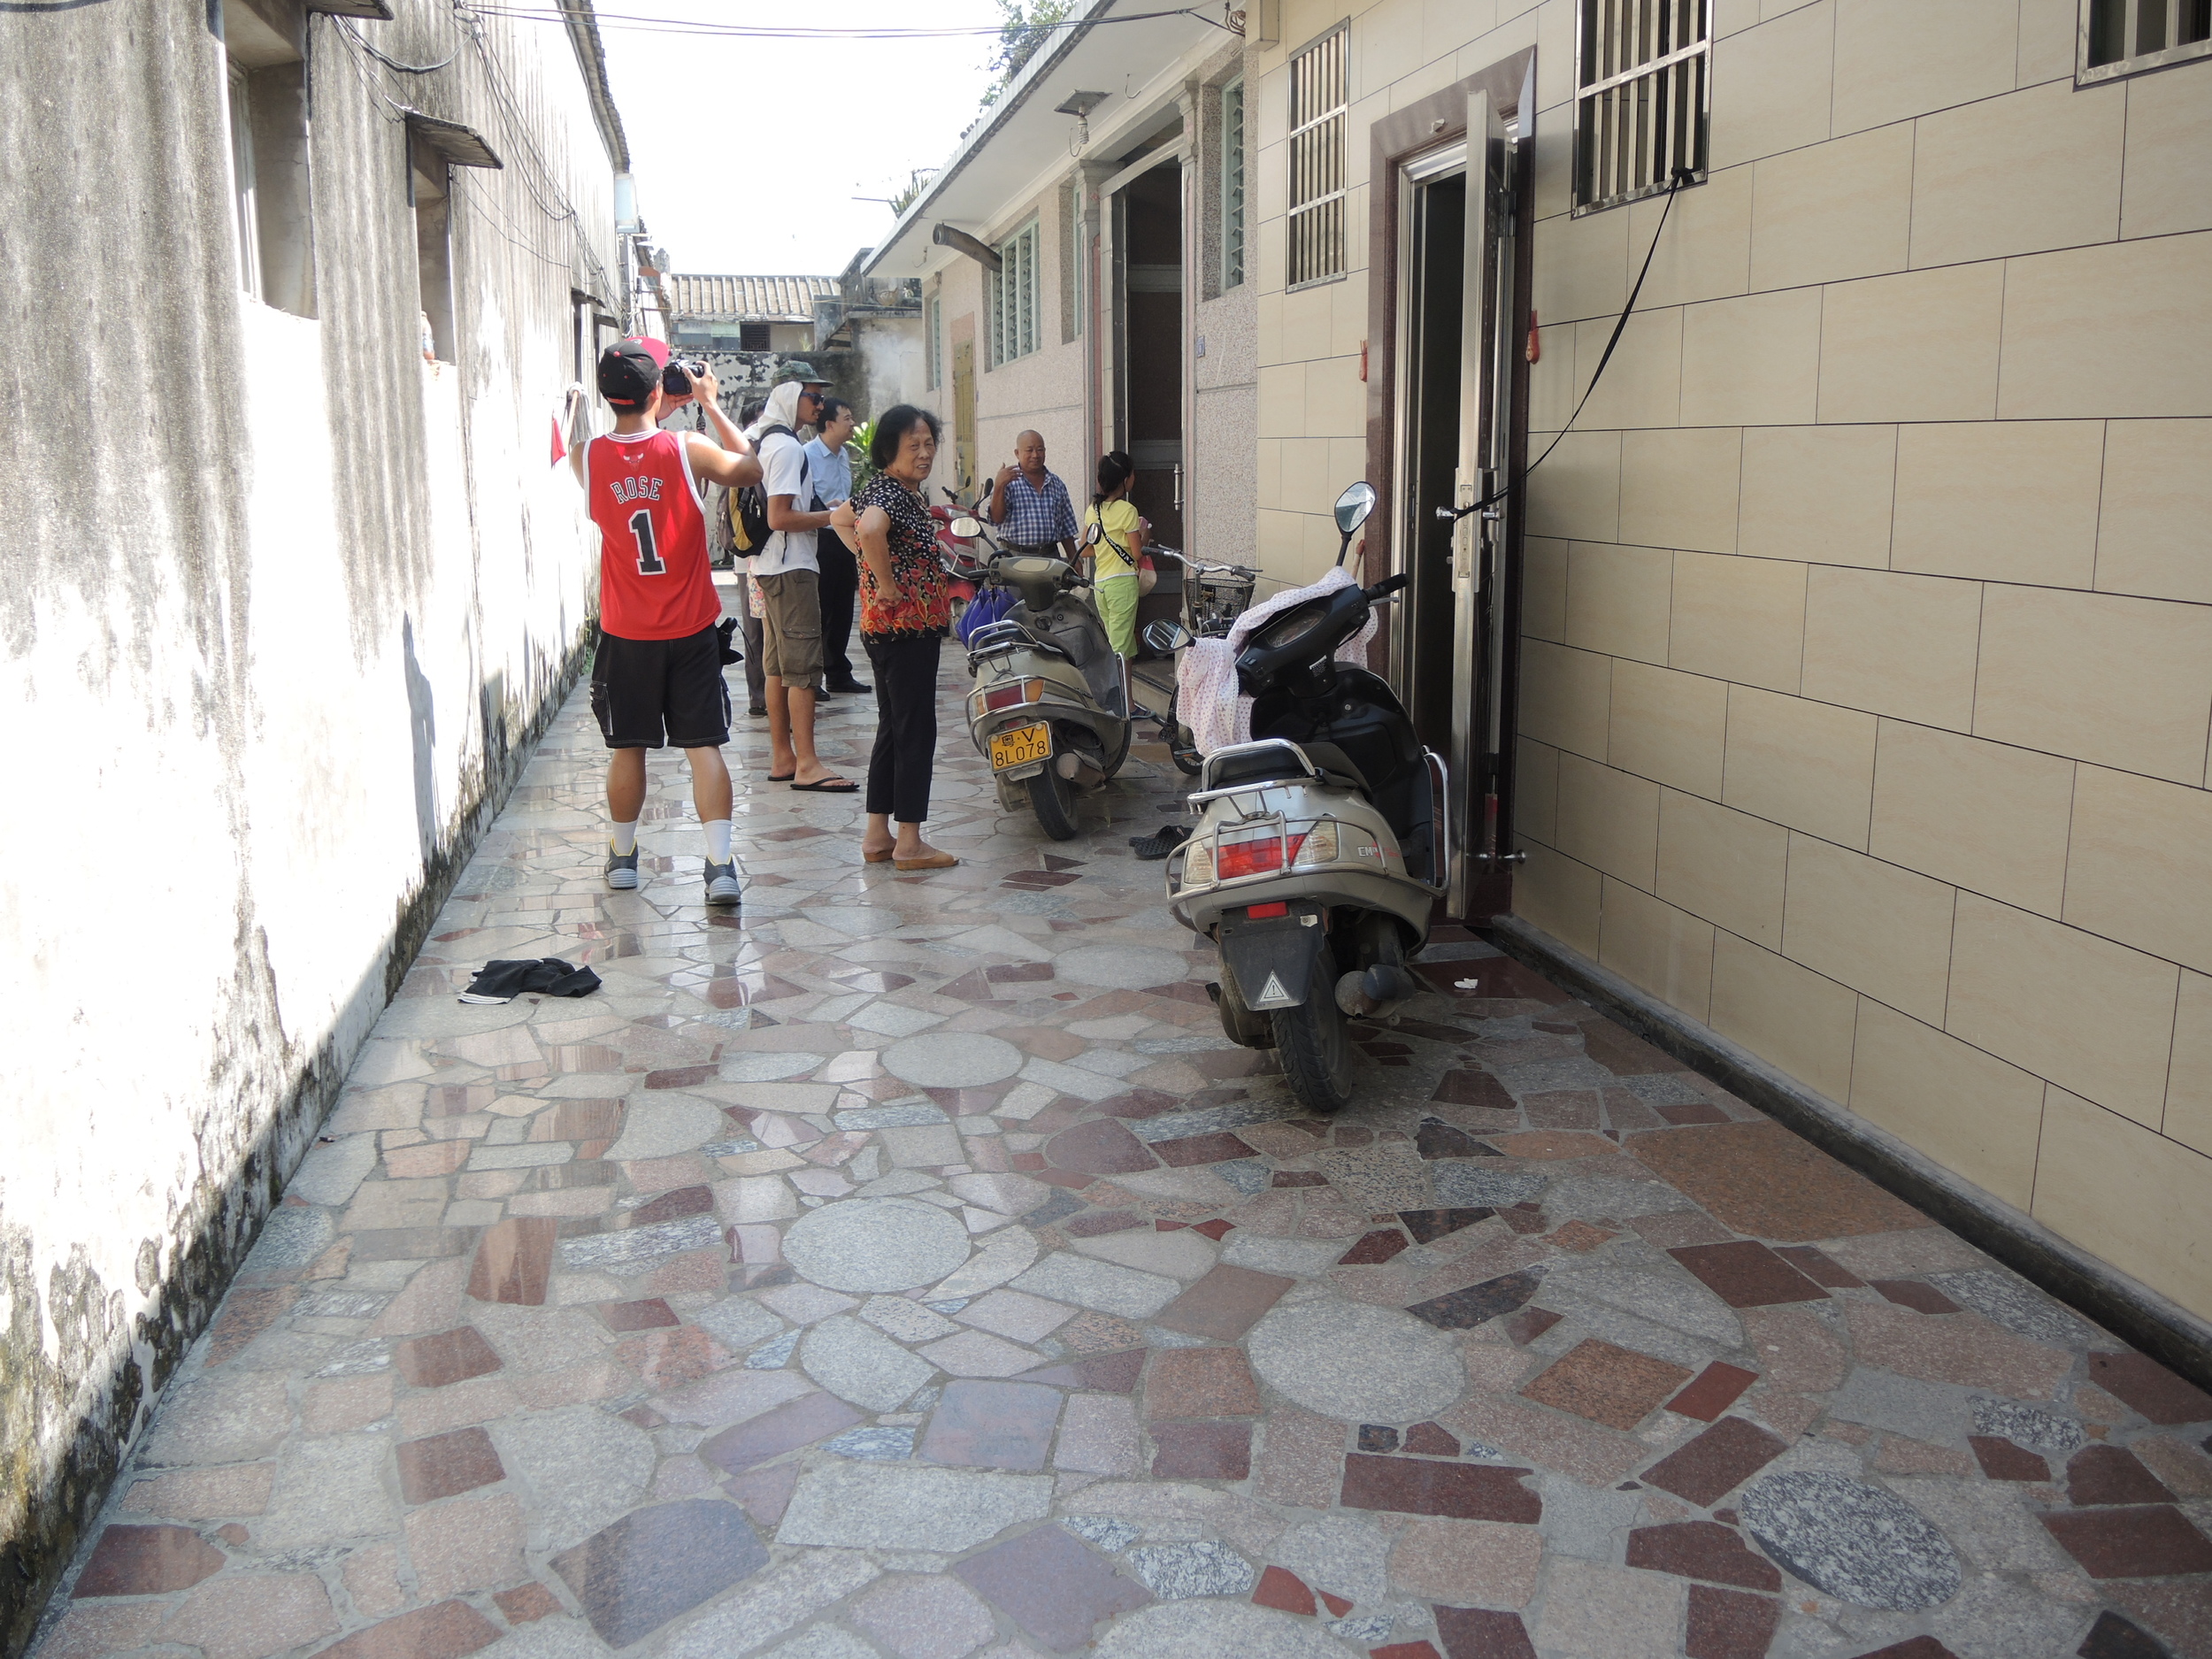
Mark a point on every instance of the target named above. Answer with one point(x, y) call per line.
point(916, 604)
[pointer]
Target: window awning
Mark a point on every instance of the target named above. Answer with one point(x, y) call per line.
point(462, 146)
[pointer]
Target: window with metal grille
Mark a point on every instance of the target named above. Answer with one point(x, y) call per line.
point(2125, 37)
point(933, 353)
point(1317, 128)
point(1233, 184)
point(1644, 97)
point(752, 337)
point(1014, 296)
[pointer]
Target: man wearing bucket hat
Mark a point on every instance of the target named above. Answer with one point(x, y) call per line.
point(788, 575)
point(656, 676)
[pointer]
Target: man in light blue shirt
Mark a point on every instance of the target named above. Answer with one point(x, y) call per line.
point(830, 468)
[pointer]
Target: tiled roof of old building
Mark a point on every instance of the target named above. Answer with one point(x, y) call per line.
point(750, 298)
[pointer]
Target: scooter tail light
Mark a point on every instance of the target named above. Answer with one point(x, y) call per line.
point(1266, 912)
point(1198, 864)
point(1315, 844)
point(1007, 696)
point(1249, 852)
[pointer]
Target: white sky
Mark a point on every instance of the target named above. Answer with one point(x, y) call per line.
point(824, 122)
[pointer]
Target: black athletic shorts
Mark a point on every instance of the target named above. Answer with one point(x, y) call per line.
point(655, 694)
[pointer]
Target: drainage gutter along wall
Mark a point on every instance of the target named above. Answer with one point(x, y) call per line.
point(285, 605)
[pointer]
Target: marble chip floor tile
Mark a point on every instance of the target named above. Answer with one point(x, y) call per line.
point(906, 1266)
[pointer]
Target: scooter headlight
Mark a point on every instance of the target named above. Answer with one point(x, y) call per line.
point(1198, 864)
point(1313, 843)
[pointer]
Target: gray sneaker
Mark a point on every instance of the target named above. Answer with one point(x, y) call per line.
point(621, 869)
point(722, 886)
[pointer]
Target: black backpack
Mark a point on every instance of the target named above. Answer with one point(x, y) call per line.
point(748, 506)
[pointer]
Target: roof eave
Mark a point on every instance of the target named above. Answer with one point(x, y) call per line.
point(1040, 66)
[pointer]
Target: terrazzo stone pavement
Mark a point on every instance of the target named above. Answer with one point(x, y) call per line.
point(905, 1265)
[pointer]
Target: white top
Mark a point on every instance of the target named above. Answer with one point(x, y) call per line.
point(783, 459)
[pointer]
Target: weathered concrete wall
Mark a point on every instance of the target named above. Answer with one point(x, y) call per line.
point(285, 602)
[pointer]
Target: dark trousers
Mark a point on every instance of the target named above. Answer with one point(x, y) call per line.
point(840, 588)
point(748, 625)
point(906, 724)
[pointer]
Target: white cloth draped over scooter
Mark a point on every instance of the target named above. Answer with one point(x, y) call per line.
point(1206, 694)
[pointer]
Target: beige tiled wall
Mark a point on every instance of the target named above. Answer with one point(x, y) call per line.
point(1867, 659)
point(1925, 693)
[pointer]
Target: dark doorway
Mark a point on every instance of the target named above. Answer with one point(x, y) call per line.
point(1438, 220)
point(1151, 366)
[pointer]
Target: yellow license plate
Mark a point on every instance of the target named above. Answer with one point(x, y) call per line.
point(1021, 746)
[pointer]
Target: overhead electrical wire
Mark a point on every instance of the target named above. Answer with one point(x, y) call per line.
point(787, 32)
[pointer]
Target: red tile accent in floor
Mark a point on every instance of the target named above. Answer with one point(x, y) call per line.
point(440, 1465)
point(1712, 1391)
point(1201, 1451)
point(1747, 1274)
point(1702, 1549)
point(2155, 1542)
point(450, 1357)
point(1281, 1588)
point(1911, 1293)
point(1716, 1462)
point(2150, 1388)
point(1467, 1492)
point(1481, 1633)
point(2111, 1474)
point(1729, 1625)
point(1223, 1304)
point(146, 1561)
point(2002, 1460)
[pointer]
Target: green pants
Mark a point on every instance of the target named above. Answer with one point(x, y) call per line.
point(1118, 610)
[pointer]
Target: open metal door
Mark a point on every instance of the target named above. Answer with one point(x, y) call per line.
point(1480, 540)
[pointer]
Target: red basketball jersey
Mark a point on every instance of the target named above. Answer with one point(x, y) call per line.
point(653, 580)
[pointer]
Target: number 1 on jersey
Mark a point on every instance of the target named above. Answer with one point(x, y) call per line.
point(648, 559)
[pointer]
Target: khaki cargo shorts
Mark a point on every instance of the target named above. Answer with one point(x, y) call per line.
point(791, 626)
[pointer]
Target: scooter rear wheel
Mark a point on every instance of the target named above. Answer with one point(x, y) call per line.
point(1052, 798)
point(1182, 747)
point(1316, 1048)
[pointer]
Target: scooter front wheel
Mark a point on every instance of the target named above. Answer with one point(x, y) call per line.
point(1182, 746)
point(1052, 798)
point(1315, 1049)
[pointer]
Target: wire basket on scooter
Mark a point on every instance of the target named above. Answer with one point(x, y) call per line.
point(1216, 595)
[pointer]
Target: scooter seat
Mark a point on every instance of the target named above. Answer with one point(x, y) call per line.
point(1267, 765)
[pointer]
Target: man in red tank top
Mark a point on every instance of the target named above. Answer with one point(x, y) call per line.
point(656, 676)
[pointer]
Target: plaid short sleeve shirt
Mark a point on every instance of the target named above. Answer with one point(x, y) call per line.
point(1035, 517)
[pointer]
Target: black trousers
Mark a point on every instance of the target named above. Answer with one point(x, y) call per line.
point(840, 588)
point(906, 723)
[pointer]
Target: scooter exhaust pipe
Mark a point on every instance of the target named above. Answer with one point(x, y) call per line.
point(1077, 770)
point(1362, 993)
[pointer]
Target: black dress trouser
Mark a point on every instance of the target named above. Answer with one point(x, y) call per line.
point(840, 588)
point(906, 723)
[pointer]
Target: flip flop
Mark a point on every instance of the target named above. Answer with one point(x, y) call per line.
point(828, 785)
point(781, 777)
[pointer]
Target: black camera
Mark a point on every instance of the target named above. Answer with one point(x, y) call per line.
point(672, 380)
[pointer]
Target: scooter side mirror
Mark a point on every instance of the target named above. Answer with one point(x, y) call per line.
point(1165, 637)
point(1090, 534)
point(1354, 505)
point(966, 525)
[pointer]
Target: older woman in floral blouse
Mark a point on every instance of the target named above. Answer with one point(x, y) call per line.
point(903, 615)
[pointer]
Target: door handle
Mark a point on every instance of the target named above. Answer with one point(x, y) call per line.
point(1179, 487)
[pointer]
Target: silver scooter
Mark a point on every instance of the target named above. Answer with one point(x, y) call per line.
point(1321, 846)
point(1050, 707)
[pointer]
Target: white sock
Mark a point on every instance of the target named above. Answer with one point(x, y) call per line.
point(718, 840)
point(625, 839)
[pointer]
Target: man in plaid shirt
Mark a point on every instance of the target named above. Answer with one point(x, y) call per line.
point(1031, 505)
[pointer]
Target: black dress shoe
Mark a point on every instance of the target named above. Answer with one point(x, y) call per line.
point(852, 688)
